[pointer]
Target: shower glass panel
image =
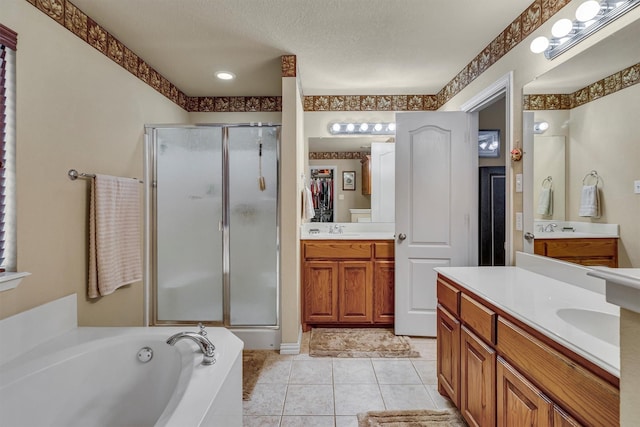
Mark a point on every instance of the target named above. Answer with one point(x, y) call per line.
point(188, 218)
point(213, 224)
point(253, 243)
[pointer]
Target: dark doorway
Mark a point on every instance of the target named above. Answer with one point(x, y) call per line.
point(492, 216)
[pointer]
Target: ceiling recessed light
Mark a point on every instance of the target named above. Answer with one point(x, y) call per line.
point(225, 75)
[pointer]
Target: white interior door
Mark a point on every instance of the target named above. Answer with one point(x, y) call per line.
point(383, 187)
point(436, 209)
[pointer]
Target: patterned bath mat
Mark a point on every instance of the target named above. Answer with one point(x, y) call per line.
point(411, 418)
point(359, 342)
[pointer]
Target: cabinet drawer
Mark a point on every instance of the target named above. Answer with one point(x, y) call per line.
point(592, 400)
point(384, 250)
point(337, 250)
point(479, 318)
point(448, 296)
point(582, 248)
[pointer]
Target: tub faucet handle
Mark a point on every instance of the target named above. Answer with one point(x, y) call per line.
point(202, 331)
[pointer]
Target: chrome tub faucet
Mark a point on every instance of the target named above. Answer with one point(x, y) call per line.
point(200, 338)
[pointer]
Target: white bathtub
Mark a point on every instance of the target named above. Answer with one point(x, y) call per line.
point(92, 377)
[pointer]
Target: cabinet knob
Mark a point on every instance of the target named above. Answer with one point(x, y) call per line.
point(402, 236)
point(529, 236)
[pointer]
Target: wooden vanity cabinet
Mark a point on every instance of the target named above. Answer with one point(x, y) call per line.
point(498, 371)
point(587, 251)
point(347, 283)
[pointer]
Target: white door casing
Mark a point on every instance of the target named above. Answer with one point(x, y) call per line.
point(436, 209)
point(527, 180)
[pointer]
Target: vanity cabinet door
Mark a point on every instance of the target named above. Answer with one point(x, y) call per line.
point(520, 403)
point(383, 291)
point(562, 419)
point(448, 342)
point(321, 291)
point(355, 287)
point(477, 384)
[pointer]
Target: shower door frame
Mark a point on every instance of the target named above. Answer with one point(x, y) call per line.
point(150, 255)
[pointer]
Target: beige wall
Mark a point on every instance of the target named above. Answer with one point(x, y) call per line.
point(604, 137)
point(293, 155)
point(75, 109)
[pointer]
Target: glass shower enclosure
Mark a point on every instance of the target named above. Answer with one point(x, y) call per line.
point(212, 224)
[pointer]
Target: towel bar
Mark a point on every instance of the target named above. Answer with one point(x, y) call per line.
point(74, 174)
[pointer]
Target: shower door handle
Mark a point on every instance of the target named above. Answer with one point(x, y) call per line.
point(220, 225)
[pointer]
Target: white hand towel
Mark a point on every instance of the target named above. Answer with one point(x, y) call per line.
point(590, 202)
point(114, 234)
point(545, 202)
point(307, 202)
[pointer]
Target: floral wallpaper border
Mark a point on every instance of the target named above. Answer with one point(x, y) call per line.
point(339, 155)
point(610, 84)
point(71, 17)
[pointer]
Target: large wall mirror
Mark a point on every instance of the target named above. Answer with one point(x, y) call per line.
point(368, 157)
point(593, 124)
point(371, 198)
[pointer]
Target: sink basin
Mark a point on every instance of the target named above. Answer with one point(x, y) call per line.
point(604, 326)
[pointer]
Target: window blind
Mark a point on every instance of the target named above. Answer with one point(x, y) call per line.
point(8, 44)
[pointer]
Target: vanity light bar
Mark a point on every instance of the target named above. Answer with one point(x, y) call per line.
point(365, 128)
point(610, 10)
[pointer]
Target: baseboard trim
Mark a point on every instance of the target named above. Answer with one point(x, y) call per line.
point(292, 348)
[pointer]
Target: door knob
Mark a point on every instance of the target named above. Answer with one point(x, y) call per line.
point(529, 236)
point(402, 236)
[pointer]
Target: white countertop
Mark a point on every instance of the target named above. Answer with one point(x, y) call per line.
point(539, 302)
point(349, 231)
point(573, 235)
point(381, 235)
point(623, 286)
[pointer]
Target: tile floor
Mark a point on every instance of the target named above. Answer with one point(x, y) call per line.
point(322, 391)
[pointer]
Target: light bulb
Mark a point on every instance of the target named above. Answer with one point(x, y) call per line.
point(364, 127)
point(587, 10)
point(377, 127)
point(392, 127)
point(335, 127)
point(350, 127)
point(539, 44)
point(562, 28)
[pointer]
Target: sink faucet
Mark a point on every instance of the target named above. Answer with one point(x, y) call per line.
point(200, 338)
point(336, 229)
point(549, 228)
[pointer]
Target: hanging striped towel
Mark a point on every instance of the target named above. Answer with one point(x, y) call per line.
point(114, 234)
point(545, 202)
point(590, 201)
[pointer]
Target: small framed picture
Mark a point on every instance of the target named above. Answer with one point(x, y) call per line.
point(349, 180)
point(489, 143)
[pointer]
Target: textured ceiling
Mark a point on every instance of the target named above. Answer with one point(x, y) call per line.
point(375, 47)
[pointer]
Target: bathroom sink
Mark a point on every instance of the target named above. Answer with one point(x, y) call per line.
point(603, 326)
